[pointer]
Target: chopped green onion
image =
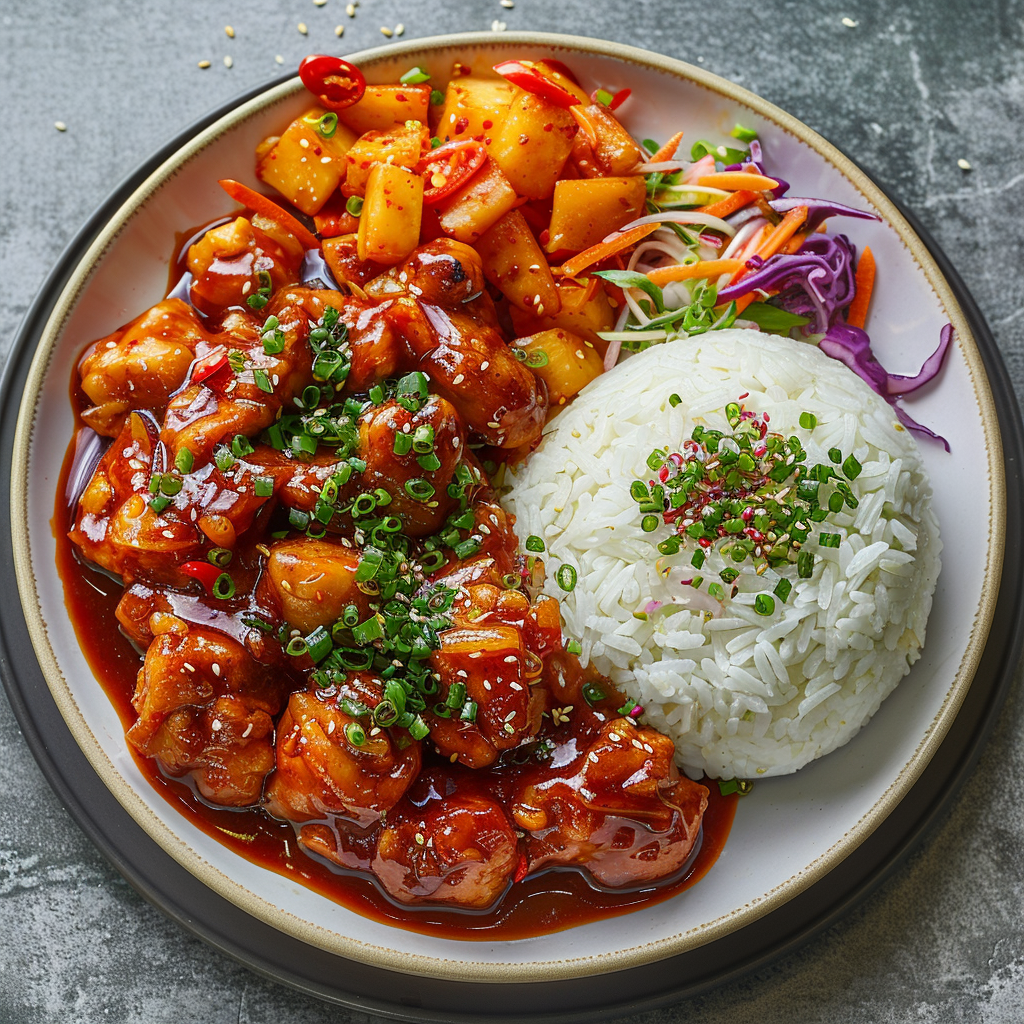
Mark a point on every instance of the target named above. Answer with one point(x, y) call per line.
point(674, 400)
point(574, 647)
point(159, 503)
point(852, 468)
point(328, 125)
point(319, 644)
point(224, 587)
point(764, 604)
point(534, 543)
point(184, 460)
point(263, 486)
point(414, 76)
point(592, 693)
point(566, 577)
point(783, 589)
point(220, 557)
point(830, 540)
point(354, 206)
point(419, 489)
point(240, 446)
point(436, 99)
point(743, 134)
point(355, 734)
point(808, 420)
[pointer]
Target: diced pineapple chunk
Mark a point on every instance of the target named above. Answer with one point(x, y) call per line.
point(516, 265)
point(564, 361)
point(480, 203)
point(401, 145)
point(585, 211)
point(389, 225)
point(304, 165)
point(384, 106)
point(473, 107)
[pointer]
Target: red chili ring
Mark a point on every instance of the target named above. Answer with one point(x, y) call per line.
point(336, 83)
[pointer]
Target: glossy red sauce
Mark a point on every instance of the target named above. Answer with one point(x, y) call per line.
point(548, 901)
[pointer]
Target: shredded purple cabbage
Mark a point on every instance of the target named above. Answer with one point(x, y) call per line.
point(817, 282)
point(819, 210)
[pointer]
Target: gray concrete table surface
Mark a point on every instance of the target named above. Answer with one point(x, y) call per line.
point(907, 89)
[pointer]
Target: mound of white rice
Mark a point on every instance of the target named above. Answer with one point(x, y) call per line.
point(744, 695)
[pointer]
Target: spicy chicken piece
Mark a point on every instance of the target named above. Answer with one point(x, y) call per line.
point(443, 272)
point(615, 805)
point(139, 366)
point(457, 851)
point(412, 454)
point(235, 260)
point(119, 527)
point(206, 710)
point(332, 763)
point(469, 363)
point(310, 582)
point(245, 400)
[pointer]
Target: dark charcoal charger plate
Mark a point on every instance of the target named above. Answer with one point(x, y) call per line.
point(181, 896)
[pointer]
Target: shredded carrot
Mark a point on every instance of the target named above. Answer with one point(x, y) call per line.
point(668, 150)
point(864, 283)
point(743, 301)
point(601, 251)
point(730, 204)
point(268, 208)
point(793, 245)
point(782, 232)
point(733, 181)
point(705, 268)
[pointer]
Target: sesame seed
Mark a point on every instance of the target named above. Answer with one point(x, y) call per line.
point(215, 668)
point(484, 364)
point(331, 726)
point(508, 4)
point(302, 28)
point(279, 59)
point(204, 64)
point(228, 62)
point(248, 729)
point(498, 26)
point(375, 731)
point(458, 378)
point(385, 31)
point(453, 758)
point(215, 725)
point(189, 667)
point(400, 29)
point(229, 32)
point(304, 143)
point(850, 23)
point(419, 838)
point(964, 165)
point(350, 10)
point(169, 534)
point(614, 737)
point(319, 3)
point(339, 30)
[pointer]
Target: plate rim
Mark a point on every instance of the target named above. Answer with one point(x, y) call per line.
point(237, 110)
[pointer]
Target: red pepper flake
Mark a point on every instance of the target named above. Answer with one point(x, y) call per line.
point(522, 868)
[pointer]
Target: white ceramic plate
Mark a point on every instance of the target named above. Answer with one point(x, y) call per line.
point(790, 832)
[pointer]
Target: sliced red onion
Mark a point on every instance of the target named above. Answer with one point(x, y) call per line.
point(712, 241)
point(902, 385)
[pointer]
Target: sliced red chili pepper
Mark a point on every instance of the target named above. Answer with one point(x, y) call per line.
point(210, 365)
point(529, 78)
point(522, 868)
point(268, 208)
point(333, 81)
point(204, 572)
point(619, 98)
point(447, 168)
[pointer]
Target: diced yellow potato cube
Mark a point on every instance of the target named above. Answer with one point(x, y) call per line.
point(384, 106)
point(532, 144)
point(473, 107)
point(516, 265)
point(585, 211)
point(304, 165)
point(565, 362)
point(389, 226)
point(402, 145)
point(480, 203)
